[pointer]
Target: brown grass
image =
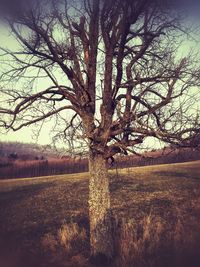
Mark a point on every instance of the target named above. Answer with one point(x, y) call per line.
point(68, 244)
point(150, 243)
point(71, 235)
point(156, 209)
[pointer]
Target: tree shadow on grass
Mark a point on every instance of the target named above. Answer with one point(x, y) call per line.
point(177, 175)
point(134, 185)
point(22, 192)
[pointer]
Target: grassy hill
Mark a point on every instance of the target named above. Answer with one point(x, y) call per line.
point(156, 214)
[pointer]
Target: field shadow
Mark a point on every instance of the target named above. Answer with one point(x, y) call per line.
point(176, 175)
point(22, 192)
point(134, 185)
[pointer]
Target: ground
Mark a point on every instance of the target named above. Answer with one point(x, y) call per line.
point(36, 214)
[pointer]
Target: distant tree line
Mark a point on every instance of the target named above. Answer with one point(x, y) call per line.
point(36, 168)
point(14, 168)
point(156, 157)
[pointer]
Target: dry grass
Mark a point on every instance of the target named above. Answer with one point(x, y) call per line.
point(151, 243)
point(44, 222)
point(71, 235)
point(137, 240)
point(67, 245)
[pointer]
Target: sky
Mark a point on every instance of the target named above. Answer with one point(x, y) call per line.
point(27, 135)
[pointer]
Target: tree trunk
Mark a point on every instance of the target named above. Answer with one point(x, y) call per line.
point(101, 239)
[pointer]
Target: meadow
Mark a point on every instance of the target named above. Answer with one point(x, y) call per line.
point(156, 215)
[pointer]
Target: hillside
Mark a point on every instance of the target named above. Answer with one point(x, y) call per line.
point(19, 160)
point(24, 151)
point(156, 210)
point(159, 156)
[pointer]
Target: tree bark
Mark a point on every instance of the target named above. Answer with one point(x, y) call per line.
point(101, 239)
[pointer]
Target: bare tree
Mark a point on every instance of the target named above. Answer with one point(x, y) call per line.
point(111, 68)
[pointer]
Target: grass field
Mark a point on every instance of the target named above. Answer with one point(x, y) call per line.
point(44, 221)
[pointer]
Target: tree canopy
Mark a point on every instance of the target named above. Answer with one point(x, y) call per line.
point(117, 66)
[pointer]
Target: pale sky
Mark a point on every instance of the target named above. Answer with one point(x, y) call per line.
point(26, 135)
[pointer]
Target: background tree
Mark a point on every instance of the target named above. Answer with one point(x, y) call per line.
point(113, 69)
